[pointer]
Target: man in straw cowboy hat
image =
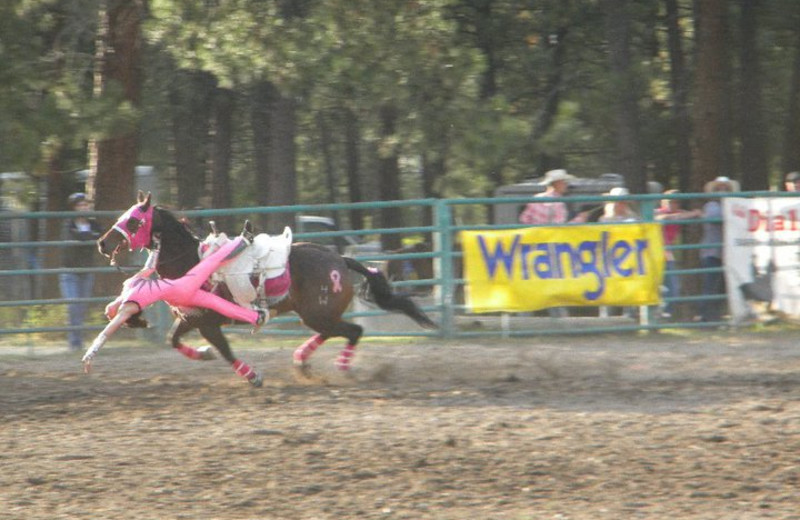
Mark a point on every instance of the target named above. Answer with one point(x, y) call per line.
point(552, 212)
point(555, 212)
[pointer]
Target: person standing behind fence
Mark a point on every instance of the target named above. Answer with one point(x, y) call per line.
point(553, 212)
point(78, 285)
point(713, 283)
point(615, 212)
point(670, 209)
point(792, 181)
point(618, 210)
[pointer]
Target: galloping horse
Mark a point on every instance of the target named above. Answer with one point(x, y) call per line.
point(321, 287)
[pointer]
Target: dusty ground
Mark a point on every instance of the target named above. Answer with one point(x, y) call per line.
point(698, 426)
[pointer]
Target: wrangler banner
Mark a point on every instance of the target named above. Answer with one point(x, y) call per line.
point(536, 268)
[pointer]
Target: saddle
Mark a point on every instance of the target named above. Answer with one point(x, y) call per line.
point(259, 275)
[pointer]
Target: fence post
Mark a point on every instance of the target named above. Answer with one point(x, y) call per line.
point(443, 265)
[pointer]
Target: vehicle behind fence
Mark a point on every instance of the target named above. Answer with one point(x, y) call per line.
point(428, 266)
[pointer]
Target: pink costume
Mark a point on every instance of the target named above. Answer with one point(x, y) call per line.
point(145, 288)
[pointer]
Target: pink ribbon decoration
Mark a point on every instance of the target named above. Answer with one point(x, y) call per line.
point(336, 278)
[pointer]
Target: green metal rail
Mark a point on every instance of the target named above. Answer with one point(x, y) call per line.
point(442, 303)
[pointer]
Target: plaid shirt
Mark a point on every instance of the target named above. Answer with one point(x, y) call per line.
point(544, 212)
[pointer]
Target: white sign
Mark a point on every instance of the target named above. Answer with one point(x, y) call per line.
point(762, 256)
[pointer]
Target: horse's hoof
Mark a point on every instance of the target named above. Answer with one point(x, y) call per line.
point(301, 370)
point(206, 353)
point(257, 381)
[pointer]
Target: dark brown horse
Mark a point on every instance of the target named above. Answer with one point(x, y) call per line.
point(321, 290)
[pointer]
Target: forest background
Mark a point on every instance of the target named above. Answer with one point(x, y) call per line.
point(279, 102)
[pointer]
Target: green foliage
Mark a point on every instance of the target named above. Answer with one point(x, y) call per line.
point(434, 60)
point(45, 316)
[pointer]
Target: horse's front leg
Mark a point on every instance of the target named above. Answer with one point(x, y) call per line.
point(213, 333)
point(180, 327)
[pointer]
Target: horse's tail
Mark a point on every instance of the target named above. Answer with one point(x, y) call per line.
point(386, 299)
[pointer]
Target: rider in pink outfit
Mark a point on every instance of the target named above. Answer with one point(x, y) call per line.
point(146, 288)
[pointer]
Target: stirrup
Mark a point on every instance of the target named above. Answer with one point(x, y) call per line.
point(263, 317)
point(247, 232)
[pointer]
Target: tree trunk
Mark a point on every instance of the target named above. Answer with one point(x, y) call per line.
point(57, 194)
point(260, 121)
point(283, 181)
point(433, 170)
point(273, 122)
point(221, 194)
point(755, 170)
point(546, 115)
point(791, 139)
point(190, 98)
point(679, 82)
point(484, 35)
point(389, 176)
point(710, 147)
point(112, 159)
point(352, 158)
point(325, 145)
point(624, 86)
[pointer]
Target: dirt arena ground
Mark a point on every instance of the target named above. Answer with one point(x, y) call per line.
point(703, 425)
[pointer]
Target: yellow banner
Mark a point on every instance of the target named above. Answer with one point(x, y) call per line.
point(536, 268)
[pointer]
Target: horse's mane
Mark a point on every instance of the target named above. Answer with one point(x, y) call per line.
point(173, 225)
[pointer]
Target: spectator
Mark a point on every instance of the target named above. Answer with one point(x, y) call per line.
point(713, 284)
point(670, 209)
point(618, 210)
point(792, 181)
point(78, 285)
point(555, 212)
point(615, 212)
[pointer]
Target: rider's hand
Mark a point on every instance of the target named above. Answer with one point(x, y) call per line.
point(112, 309)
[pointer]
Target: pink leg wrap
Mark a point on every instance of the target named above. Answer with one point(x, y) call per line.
point(343, 362)
point(189, 352)
point(306, 349)
point(243, 369)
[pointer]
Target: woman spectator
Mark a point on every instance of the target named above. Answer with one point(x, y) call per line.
point(618, 210)
point(713, 283)
point(75, 286)
point(670, 209)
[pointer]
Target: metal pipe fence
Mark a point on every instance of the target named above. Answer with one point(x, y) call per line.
point(29, 305)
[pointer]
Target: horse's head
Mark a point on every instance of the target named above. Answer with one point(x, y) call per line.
point(133, 229)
